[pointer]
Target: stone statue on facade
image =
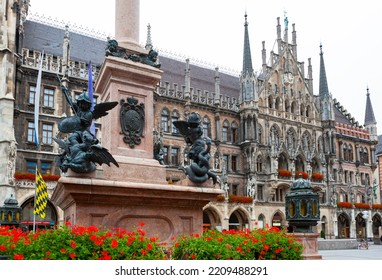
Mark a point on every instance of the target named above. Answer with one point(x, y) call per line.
point(251, 187)
point(81, 149)
point(192, 131)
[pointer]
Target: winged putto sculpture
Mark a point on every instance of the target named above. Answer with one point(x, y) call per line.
point(81, 149)
point(199, 153)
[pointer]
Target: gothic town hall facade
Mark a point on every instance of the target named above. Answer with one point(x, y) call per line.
point(267, 126)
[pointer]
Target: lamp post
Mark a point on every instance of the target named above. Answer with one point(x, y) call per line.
point(10, 213)
point(365, 216)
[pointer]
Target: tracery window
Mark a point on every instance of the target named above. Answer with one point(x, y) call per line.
point(164, 120)
point(234, 132)
point(259, 164)
point(174, 117)
point(206, 127)
point(225, 134)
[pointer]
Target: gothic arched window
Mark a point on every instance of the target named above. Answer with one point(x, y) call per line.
point(174, 117)
point(225, 131)
point(234, 132)
point(259, 164)
point(206, 127)
point(164, 120)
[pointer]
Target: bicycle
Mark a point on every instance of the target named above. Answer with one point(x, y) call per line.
point(363, 244)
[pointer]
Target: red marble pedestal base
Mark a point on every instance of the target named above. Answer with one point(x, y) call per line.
point(167, 210)
point(310, 245)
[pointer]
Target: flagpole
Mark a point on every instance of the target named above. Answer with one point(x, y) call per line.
point(36, 120)
point(91, 95)
point(34, 204)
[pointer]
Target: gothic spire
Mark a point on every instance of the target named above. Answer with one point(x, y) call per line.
point(369, 113)
point(149, 43)
point(247, 59)
point(323, 87)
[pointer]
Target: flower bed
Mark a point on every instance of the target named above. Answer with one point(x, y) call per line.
point(92, 243)
point(259, 244)
point(344, 204)
point(362, 205)
point(79, 243)
point(240, 199)
point(235, 199)
point(377, 206)
point(32, 176)
point(303, 173)
point(317, 176)
point(285, 173)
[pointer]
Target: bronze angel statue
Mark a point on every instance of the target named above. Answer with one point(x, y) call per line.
point(81, 149)
point(199, 170)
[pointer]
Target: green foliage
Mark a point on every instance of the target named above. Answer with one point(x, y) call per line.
point(268, 244)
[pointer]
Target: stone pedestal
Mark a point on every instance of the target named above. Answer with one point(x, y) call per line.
point(137, 191)
point(167, 210)
point(309, 242)
point(118, 80)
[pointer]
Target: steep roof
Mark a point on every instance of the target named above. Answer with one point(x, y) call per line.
point(378, 147)
point(39, 36)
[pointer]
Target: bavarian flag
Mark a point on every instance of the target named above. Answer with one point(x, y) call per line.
point(41, 196)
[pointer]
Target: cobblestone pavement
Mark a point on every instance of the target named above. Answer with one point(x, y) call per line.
point(373, 253)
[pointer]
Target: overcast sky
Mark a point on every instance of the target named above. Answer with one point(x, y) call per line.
point(212, 31)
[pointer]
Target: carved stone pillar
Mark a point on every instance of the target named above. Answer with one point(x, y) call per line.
point(127, 24)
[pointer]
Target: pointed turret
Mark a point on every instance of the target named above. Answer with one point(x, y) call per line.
point(247, 59)
point(370, 122)
point(247, 78)
point(323, 87)
point(369, 113)
point(327, 111)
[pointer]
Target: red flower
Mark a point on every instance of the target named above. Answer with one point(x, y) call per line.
point(72, 255)
point(73, 244)
point(114, 243)
point(153, 239)
point(47, 253)
point(193, 256)
point(143, 252)
point(266, 247)
point(98, 242)
point(141, 224)
point(18, 257)
point(149, 247)
point(64, 251)
point(2, 248)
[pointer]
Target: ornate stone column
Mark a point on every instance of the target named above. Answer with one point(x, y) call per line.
point(127, 24)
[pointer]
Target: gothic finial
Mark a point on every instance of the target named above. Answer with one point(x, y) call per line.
point(149, 44)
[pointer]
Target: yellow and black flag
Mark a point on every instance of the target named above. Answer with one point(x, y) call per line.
point(41, 196)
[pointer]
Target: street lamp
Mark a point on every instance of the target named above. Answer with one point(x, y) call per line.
point(10, 213)
point(365, 215)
